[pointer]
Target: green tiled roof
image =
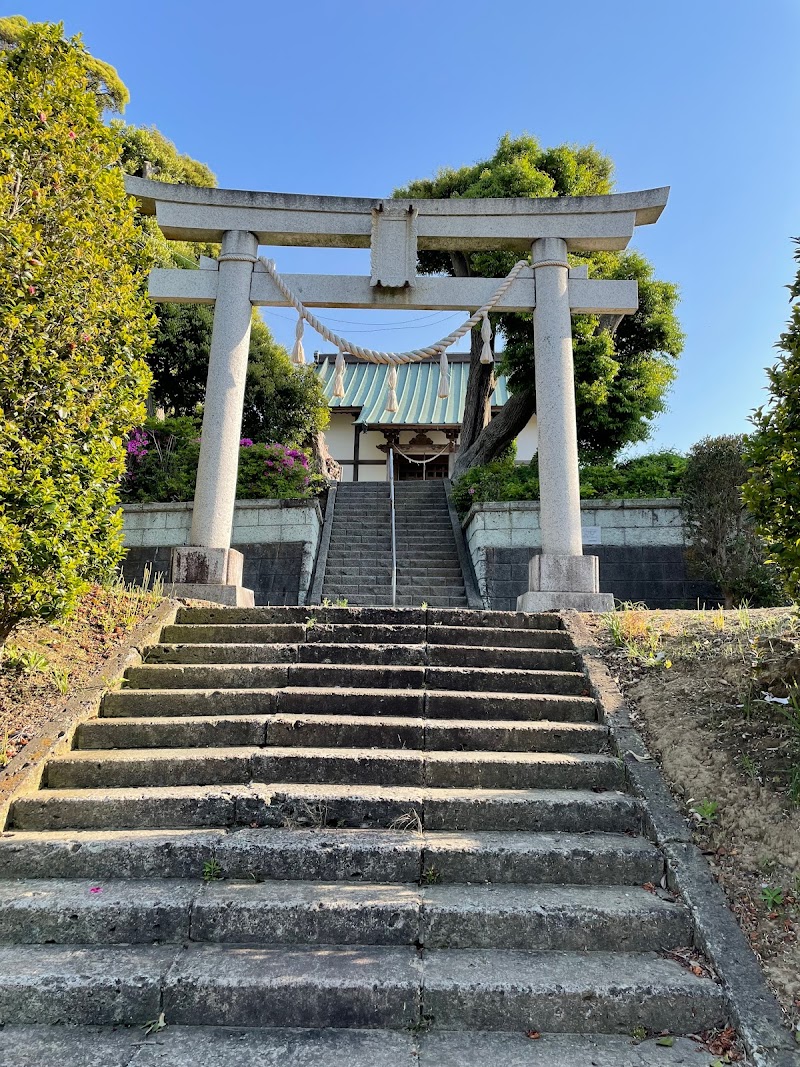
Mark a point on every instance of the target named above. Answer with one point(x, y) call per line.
point(417, 386)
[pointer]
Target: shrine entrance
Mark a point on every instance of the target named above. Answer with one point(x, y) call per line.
point(420, 459)
point(540, 230)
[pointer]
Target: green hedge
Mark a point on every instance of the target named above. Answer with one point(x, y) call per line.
point(657, 474)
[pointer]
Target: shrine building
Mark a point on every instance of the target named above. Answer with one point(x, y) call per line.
point(424, 431)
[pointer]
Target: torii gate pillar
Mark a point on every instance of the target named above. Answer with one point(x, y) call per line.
point(561, 577)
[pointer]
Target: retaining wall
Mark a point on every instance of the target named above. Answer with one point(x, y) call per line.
point(641, 545)
point(278, 539)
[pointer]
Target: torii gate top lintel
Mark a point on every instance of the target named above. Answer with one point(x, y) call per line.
point(587, 223)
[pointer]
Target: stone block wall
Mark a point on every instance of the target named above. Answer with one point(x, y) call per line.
point(640, 545)
point(278, 539)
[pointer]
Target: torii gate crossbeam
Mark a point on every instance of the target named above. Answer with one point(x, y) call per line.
point(394, 230)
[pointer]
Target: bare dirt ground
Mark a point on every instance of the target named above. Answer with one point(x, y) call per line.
point(42, 662)
point(717, 696)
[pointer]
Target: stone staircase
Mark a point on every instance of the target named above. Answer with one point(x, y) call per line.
point(359, 564)
point(329, 836)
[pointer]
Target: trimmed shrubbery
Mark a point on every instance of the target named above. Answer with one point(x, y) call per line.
point(655, 475)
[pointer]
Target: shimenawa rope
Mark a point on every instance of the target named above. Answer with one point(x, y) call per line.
point(393, 358)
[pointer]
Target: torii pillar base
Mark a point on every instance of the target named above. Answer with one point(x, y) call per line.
point(213, 574)
point(556, 583)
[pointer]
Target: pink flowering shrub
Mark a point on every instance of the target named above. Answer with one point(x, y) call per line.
point(276, 472)
point(162, 466)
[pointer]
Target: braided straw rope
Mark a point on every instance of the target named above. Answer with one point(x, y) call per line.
point(370, 354)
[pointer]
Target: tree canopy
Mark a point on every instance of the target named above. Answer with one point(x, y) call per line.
point(282, 402)
point(623, 374)
point(74, 322)
point(102, 78)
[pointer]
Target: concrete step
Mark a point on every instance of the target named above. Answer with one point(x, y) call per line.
point(382, 615)
point(369, 633)
point(210, 984)
point(262, 676)
point(334, 855)
point(432, 601)
point(373, 653)
point(295, 805)
point(360, 986)
point(500, 638)
point(583, 992)
point(579, 918)
point(130, 768)
point(341, 731)
point(197, 1046)
point(283, 615)
point(304, 700)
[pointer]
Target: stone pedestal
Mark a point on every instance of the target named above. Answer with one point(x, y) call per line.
point(213, 574)
point(556, 582)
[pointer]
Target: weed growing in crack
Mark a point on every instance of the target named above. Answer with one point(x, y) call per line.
point(212, 871)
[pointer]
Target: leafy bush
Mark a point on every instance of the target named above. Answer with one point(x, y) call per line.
point(162, 461)
point(725, 546)
point(162, 466)
point(74, 319)
point(276, 472)
point(772, 453)
point(655, 475)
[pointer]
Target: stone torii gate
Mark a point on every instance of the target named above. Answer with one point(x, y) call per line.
point(561, 577)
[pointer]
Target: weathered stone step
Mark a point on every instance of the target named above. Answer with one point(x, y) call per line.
point(129, 768)
point(316, 806)
point(342, 731)
point(196, 1046)
point(383, 615)
point(305, 700)
point(210, 984)
point(258, 676)
point(364, 986)
point(333, 855)
point(579, 992)
point(363, 633)
point(500, 638)
point(580, 918)
point(389, 654)
point(339, 587)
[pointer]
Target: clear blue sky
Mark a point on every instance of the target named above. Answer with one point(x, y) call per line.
point(354, 98)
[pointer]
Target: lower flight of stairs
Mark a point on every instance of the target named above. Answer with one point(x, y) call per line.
point(365, 837)
point(359, 563)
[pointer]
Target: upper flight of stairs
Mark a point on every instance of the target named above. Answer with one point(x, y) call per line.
point(359, 560)
point(367, 837)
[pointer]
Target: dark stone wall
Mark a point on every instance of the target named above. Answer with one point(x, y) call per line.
point(656, 575)
point(272, 571)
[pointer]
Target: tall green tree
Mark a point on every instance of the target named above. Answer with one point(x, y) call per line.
point(282, 402)
point(772, 452)
point(623, 371)
point(74, 322)
point(101, 78)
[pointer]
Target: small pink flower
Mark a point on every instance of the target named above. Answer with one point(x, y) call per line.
point(71, 135)
point(96, 889)
point(42, 116)
point(85, 337)
point(472, 491)
point(32, 290)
